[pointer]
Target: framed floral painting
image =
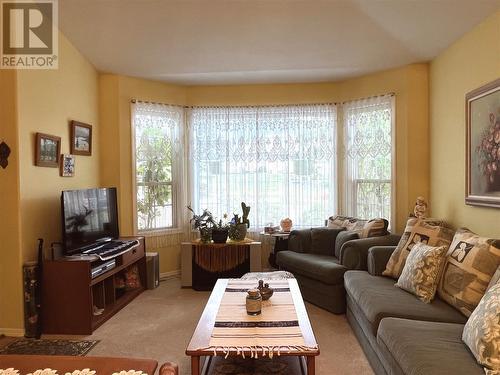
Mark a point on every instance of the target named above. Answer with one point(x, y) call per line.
point(482, 111)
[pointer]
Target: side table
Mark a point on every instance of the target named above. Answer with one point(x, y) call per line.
point(219, 260)
point(280, 244)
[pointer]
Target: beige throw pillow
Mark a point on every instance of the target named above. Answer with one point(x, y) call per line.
point(482, 331)
point(470, 264)
point(429, 231)
point(422, 269)
point(364, 228)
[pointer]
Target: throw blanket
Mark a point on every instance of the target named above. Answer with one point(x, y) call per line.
point(275, 330)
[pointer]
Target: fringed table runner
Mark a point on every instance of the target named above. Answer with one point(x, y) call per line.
point(220, 258)
point(276, 330)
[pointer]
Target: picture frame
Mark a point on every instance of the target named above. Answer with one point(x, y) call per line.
point(67, 168)
point(81, 138)
point(47, 150)
point(482, 118)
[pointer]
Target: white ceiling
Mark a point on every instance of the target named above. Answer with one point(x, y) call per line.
point(264, 41)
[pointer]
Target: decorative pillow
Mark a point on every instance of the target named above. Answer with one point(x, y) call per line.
point(336, 222)
point(495, 279)
point(470, 264)
point(482, 331)
point(429, 231)
point(364, 228)
point(422, 269)
point(374, 228)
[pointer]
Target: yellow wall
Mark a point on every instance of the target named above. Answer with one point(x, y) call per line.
point(47, 101)
point(410, 84)
point(40, 101)
point(11, 318)
point(116, 93)
point(468, 64)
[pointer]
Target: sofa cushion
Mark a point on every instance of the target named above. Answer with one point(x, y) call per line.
point(429, 231)
point(378, 298)
point(342, 238)
point(421, 272)
point(425, 348)
point(323, 240)
point(300, 240)
point(324, 268)
point(470, 264)
point(482, 331)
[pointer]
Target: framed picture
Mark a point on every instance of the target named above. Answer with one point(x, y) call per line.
point(47, 150)
point(482, 116)
point(67, 165)
point(81, 138)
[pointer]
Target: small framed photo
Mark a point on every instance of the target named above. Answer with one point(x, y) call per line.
point(81, 138)
point(47, 150)
point(482, 108)
point(67, 165)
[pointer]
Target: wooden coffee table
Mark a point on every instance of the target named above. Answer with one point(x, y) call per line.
point(203, 331)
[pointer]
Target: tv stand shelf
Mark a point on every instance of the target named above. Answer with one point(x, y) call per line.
point(69, 294)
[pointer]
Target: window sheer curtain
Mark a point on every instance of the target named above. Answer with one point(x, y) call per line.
point(158, 138)
point(280, 160)
point(368, 135)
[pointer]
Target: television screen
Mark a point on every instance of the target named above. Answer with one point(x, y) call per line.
point(88, 216)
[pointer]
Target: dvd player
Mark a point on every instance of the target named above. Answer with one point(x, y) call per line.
point(102, 268)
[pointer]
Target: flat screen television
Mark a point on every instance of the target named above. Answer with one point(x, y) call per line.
point(88, 216)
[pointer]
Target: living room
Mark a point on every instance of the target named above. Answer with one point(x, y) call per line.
point(294, 78)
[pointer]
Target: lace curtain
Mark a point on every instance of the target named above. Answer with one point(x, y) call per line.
point(368, 125)
point(280, 160)
point(159, 152)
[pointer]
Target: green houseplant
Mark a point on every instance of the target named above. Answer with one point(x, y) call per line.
point(203, 223)
point(209, 227)
point(239, 226)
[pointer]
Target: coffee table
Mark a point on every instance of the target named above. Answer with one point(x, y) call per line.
point(202, 334)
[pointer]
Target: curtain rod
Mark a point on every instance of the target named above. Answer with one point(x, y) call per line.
point(264, 105)
point(231, 105)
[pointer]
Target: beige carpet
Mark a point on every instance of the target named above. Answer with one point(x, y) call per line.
point(159, 324)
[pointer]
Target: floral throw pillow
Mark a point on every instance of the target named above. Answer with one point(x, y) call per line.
point(429, 231)
point(422, 269)
point(482, 331)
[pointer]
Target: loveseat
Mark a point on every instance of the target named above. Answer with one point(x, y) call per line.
point(399, 333)
point(319, 257)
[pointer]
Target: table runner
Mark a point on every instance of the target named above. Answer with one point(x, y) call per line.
point(275, 330)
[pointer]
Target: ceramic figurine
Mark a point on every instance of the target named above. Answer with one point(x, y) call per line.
point(420, 208)
point(265, 291)
point(286, 224)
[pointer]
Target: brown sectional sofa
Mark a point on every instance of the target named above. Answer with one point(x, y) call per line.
point(399, 333)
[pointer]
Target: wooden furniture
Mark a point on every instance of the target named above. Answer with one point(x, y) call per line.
point(203, 331)
point(69, 293)
point(280, 244)
point(26, 364)
point(169, 368)
point(188, 257)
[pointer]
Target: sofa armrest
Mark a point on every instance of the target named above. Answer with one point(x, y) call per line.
point(169, 368)
point(378, 256)
point(354, 253)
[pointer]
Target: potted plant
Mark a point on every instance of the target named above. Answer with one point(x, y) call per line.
point(220, 231)
point(203, 223)
point(239, 226)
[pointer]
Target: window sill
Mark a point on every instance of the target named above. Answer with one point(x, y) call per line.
point(160, 232)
